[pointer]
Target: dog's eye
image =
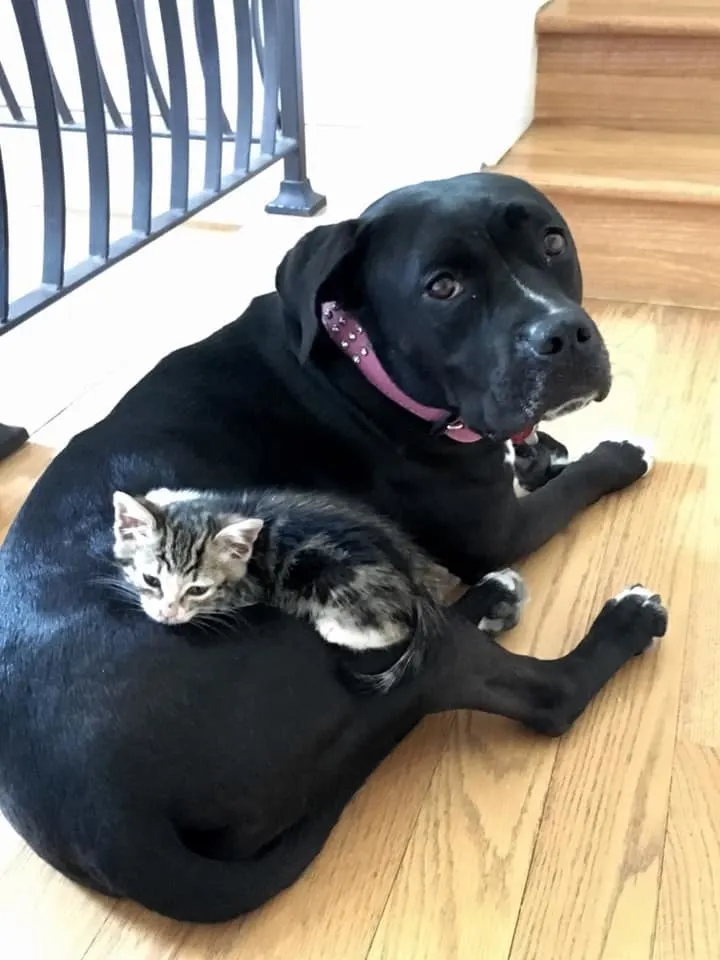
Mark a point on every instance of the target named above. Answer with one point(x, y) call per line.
point(151, 581)
point(554, 243)
point(443, 287)
point(196, 591)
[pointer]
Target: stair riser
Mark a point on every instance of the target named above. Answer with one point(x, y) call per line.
point(637, 82)
point(646, 252)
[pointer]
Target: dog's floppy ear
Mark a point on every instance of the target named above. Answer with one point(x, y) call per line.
point(319, 266)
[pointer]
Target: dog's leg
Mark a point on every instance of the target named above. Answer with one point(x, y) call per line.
point(495, 603)
point(471, 672)
point(536, 518)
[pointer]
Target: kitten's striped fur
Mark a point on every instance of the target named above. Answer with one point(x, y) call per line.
point(361, 582)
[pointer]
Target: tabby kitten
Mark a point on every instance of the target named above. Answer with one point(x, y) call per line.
point(362, 584)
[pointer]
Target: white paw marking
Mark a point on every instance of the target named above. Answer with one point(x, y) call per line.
point(646, 444)
point(355, 638)
point(509, 461)
point(634, 592)
point(646, 595)
point(513, 583)
point(507, 578)
point(520, 491)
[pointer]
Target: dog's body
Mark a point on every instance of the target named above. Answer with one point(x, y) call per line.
point(200, 778)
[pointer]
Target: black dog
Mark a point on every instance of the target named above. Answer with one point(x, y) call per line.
point(201, 775)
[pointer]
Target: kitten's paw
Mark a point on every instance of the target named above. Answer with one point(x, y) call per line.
point(505, 594)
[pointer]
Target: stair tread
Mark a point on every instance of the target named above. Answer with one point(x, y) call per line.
point(642, 164)
point(649, 17)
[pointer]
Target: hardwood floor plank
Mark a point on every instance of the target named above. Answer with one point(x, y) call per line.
point(592, 887)
point(459, 889)
point(688, 919)
point(18, 474)
point(700, 711)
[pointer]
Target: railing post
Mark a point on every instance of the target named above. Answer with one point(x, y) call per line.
point(296, 196)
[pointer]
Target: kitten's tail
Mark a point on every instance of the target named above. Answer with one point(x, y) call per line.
point(426, 625)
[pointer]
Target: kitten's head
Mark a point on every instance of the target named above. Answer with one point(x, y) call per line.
point(181, 558)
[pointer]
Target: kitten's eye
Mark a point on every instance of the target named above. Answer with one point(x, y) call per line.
point(443, 287)
point(151, 581)
point(554, 243)
point(196, 591)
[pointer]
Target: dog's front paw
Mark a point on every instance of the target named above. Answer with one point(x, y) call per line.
point(638, 617)
point(621, 462)
point(539, 460)
point(504, 594)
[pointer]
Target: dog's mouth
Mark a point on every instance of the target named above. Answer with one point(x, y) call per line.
point(570, 406)
point(555, 396)
point(500, 425)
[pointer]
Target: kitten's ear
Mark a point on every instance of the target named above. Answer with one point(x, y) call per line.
point(133, 520)
point(238, 537)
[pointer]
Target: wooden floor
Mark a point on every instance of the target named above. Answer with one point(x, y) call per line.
point(480, 841)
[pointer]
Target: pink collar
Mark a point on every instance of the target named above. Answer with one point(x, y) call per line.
point(346, 332)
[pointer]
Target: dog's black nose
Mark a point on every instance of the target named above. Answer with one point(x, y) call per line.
point(557, 333)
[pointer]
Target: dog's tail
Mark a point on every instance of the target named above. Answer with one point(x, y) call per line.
point(426, 625)
point(151, 864)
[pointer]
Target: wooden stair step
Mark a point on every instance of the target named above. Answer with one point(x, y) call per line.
point(652, 64)
point(644, 207)
point(646, 17)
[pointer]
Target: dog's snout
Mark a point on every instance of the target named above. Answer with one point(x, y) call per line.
point(557, 334)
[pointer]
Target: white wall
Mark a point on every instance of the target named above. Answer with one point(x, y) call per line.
point(456, 73)
point(459, 72)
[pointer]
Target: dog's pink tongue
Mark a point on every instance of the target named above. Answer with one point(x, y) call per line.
point(524, 435)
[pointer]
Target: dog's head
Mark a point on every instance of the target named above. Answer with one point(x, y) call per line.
point(470, 291)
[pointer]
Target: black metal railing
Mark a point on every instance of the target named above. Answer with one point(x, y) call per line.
point(266, 44)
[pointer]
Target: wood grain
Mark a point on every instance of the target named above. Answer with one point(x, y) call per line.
point(637, 82)
point(620, 164)
point(18, 474)
point(645, 17)
point(598, 860)
point(476, 839)
point(688, 920)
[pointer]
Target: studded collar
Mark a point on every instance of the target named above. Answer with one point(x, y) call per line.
point(345, 331)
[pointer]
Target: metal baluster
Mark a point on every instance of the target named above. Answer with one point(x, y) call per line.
point(244, 118)
point(4, 248)
point(9, 97)
point(271, 77)
point(150, 67)
point(139, 113)
point(179, 124)
point(95, 128)
point(51, 157)
point(108, 99)
point(207, 41)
